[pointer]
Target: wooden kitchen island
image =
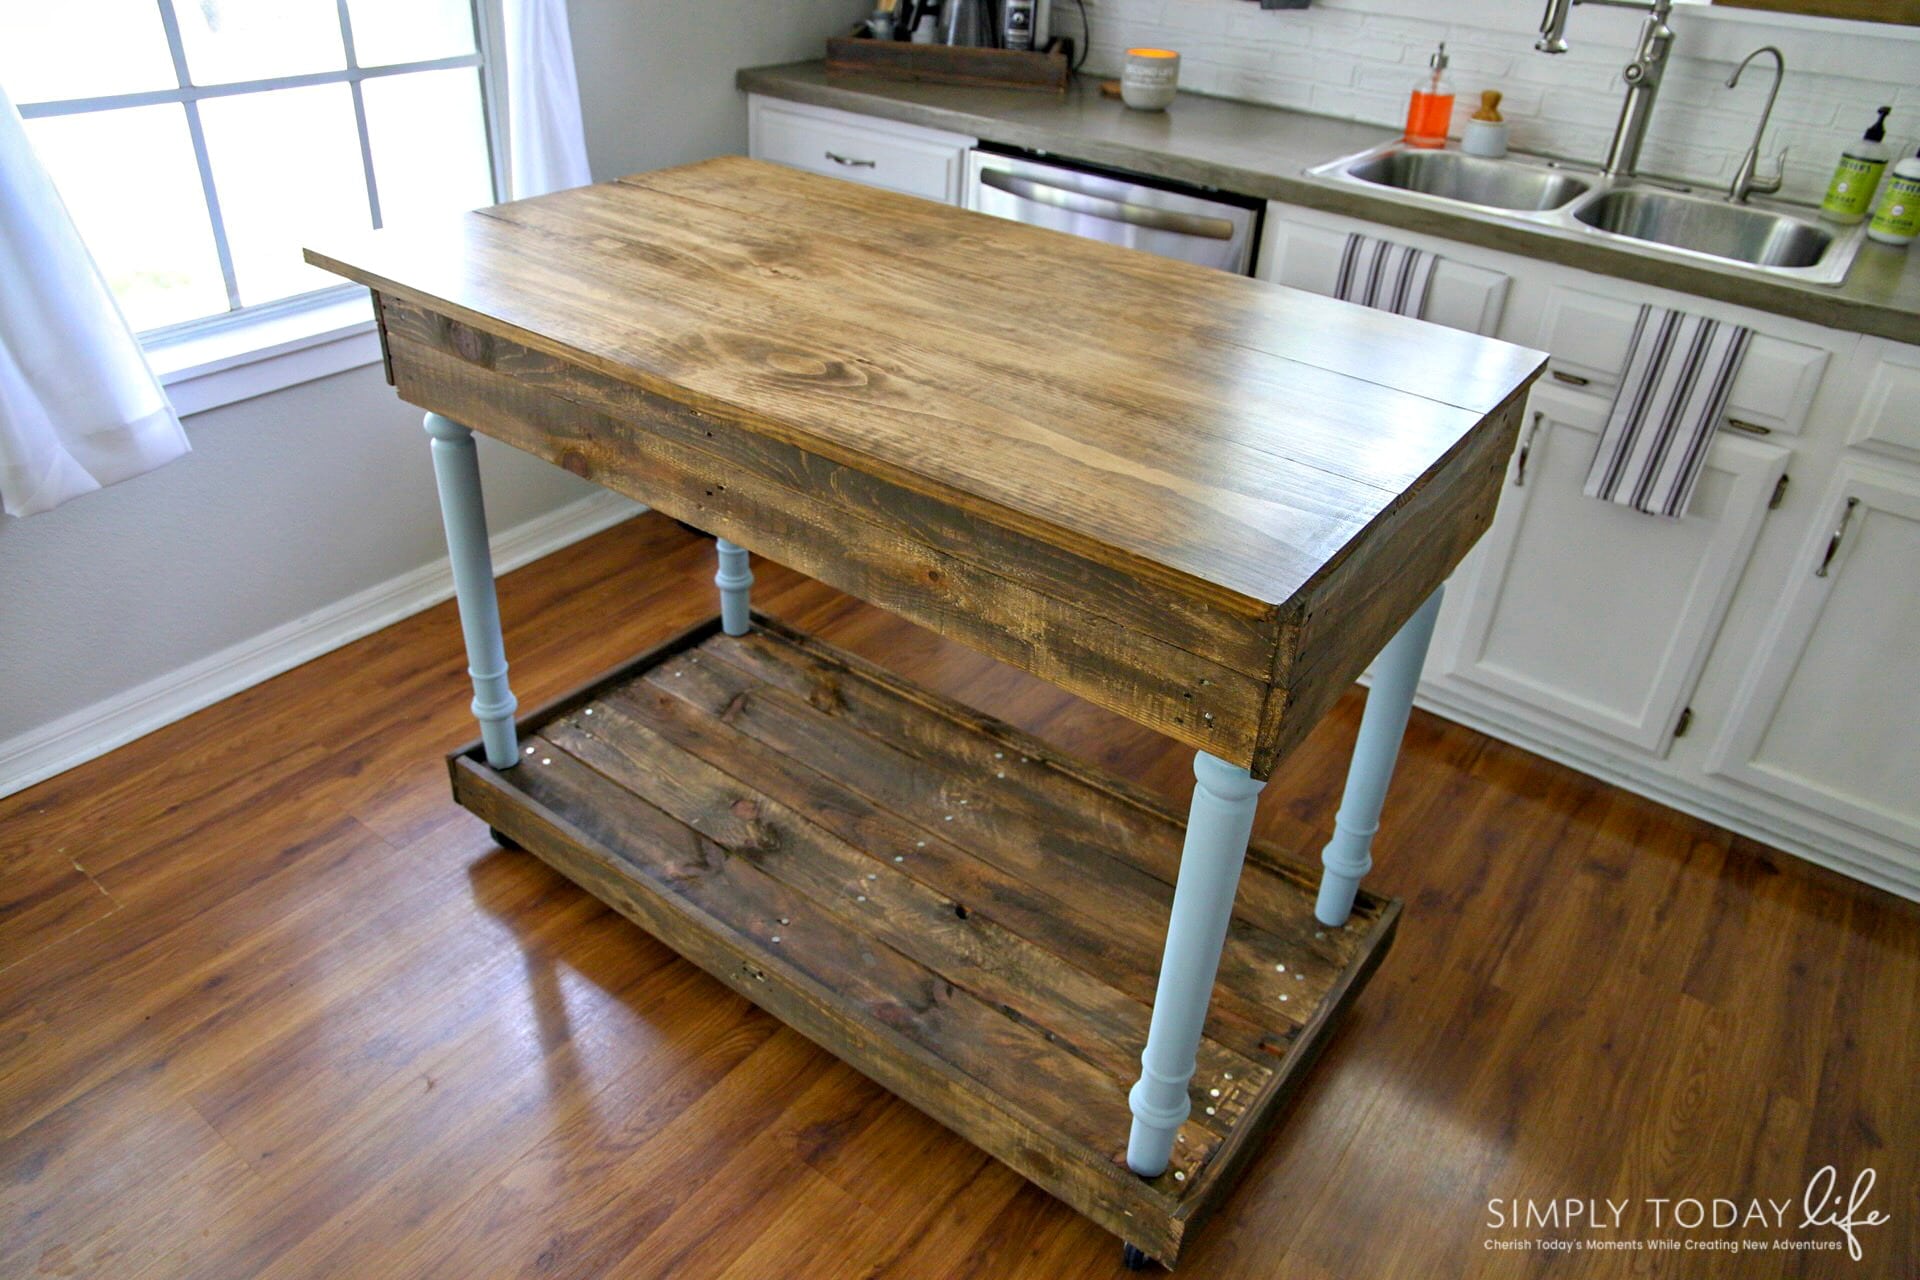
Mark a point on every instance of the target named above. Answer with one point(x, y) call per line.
point(1201, 501)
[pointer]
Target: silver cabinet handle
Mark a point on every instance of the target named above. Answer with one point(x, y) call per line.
point(1751, 428)
point(1571, 379)
point(850, 162)
point(1138, 215)
point(1526, 447)
point(1833, 543)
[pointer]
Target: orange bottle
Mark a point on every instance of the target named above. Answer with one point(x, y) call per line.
point(1430, 113)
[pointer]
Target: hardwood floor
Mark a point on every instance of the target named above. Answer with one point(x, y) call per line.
point(270, 1005)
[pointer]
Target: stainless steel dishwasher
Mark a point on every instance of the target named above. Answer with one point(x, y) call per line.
point(1209, 228)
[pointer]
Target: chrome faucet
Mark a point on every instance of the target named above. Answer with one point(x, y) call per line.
point(1642, 74)
point(1745, 181)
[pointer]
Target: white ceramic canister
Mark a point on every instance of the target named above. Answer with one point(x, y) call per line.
point(1485, 138)
point(1150, 79)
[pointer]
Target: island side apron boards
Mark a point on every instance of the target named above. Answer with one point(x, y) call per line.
point(1210, 530)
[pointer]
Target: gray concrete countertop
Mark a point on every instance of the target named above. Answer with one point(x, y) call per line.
point(1265, 151)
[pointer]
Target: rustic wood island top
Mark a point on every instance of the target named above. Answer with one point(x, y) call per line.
point(1197, 499)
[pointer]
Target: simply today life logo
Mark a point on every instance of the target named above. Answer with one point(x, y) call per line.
point(1827, 1216)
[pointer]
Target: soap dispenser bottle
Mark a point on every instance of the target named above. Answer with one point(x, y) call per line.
point(1431, 111)
point(1897, 220)
point(1850, 194)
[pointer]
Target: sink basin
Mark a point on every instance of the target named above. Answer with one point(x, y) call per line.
point(1451, 175)
point(1647, 216)
point(1716, 228)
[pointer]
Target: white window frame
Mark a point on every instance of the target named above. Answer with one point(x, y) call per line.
point(249, 351)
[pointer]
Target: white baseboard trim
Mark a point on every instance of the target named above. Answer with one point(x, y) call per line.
point(1850, 855)
point(53, 748)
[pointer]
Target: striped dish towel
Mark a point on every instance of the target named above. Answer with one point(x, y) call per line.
point(1680, 369)
point(1384, 275)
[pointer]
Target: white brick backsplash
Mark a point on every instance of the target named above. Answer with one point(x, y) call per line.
point(1359, 65)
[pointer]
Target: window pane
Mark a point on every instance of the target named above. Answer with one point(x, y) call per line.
point(128, 178)
point(429, 144)
point(287, 170)
point(390, 31)
point(229, 40)
point(54, 49)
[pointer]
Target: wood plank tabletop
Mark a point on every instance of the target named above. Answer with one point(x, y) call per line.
point(1079, 448)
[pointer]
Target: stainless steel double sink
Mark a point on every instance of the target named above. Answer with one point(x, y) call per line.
point(1634, 213)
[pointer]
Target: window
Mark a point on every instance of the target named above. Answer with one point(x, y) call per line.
point(199, 144)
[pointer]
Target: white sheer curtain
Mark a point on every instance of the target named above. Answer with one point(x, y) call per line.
point(546, 143)
point(79, 408)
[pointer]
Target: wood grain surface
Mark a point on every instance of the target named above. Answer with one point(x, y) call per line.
point(1046, 71)
point(934, 897)
point(1141, 479)
point(318, 1024)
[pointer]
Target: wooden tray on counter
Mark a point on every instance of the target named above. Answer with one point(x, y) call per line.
point(935, 897)
point(950, 64)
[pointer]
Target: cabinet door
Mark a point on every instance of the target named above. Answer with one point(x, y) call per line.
point(1828, 715)
point(1596, 613)
point(841, 144)
point(1306, 255)
point(1888, 420)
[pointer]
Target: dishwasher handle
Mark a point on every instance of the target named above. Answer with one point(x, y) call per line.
point(1138, 215)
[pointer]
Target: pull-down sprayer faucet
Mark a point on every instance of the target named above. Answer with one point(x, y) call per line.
point(1642, 74)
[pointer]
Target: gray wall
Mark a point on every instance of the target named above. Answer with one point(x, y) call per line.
point(293, 501)
point(656, 76)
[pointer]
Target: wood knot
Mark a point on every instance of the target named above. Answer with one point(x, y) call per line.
point(786, 361)
point(799, 364)
point(576, 462)
point(824, 694)
point(756, 835)
point(470, 344)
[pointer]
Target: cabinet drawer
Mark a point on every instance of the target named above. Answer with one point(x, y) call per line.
point(1588, 334)
point(1305, 254)
point(919, 162)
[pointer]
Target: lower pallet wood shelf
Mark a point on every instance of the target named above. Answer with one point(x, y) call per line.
point(937, 898)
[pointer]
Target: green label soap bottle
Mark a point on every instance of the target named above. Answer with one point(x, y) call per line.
point(1850, 194)
point(1897, 220)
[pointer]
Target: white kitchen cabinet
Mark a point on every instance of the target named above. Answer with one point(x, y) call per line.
point(1588, 329)
point(880, 153)
point(1828, 713)
point(1888, 420)
point(1304, 250)
point(1595, 613)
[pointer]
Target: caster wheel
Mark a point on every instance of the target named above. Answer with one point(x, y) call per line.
point(1132, 1259)
point(504, 840)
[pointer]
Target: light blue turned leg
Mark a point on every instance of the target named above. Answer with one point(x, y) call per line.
point(1349, 855)
point(734, 579)
point(1218, 827)
point(456, 469)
